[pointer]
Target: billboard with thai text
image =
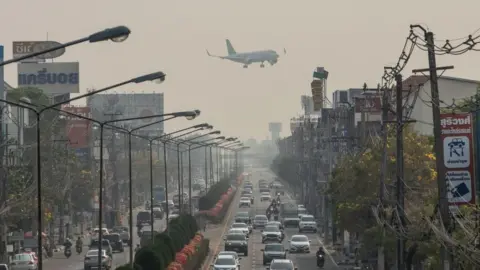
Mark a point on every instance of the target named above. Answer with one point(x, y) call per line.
point(52, 78)
point(78, 129)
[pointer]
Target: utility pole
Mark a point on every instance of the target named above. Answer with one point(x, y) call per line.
point(446, 259)
point(326, 206)
point(206, 167)
point(212, 177)
point(383, 172)
point(400, 184)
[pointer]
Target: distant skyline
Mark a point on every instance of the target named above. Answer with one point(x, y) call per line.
point(353, 40)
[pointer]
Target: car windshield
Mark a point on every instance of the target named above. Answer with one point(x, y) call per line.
point(242, 214)
point(143, 215)
point(300, 238)
point(22, 257)
point(245, 199)
point(236, 237)
point(104, 242)
point(93, 253)
point(281, 266)
point(308, 219)
point(271, 229)
point(274, 248)
point(230, 253)
point(239, 225)
point(261, 218)
point(225, 261)
point(112, 237)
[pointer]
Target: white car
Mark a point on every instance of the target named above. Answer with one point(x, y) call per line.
point(230, 253)
point(97, 230)
point(307, 223)
point(259, 221)
point(242, 226)
point(237, 231)
point(172, 216)
point(244, 201)
point(282, 264)
point(272, 233)
point(225, 262)
point(299, 244)
point(265, 197)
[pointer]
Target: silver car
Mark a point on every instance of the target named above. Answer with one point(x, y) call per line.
point(91, 260)
point(260, 221)
point(23, 262)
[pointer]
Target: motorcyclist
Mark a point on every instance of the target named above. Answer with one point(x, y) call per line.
point(320, 256)
point(68, 243)
point(79, 242)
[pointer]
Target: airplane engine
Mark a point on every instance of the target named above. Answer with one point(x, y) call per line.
point(273, 61)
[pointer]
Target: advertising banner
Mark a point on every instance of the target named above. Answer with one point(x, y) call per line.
point(368, 104)
point(77, 129)
point(457, 138)
point(52, 78)
point(116, 106)
point(317, 94)
point(23, 48)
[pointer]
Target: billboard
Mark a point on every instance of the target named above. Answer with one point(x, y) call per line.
point(117, 106)
point(52, 78)
point(77, 129)
point(457, 130)
point(371, 104)
point(317, 94)
point(23, 48)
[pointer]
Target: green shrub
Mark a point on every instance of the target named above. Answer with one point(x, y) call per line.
point(210, 199)
point(166, 242)
point(148, 259)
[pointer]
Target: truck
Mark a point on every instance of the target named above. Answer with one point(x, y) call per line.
point(289, 214)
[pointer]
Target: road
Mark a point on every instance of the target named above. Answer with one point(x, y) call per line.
point(254, 260)
point(75, 262)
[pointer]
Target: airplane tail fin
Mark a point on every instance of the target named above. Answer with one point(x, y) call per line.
point(230, 48)
point(208, 53)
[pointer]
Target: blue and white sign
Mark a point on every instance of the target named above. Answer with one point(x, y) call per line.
point(456, 152)
point(459, 187)
point(83, 154)
point(52, 78)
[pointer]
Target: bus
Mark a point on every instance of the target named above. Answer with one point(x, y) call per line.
point(159, 194)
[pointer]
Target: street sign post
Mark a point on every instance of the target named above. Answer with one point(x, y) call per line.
point(22, 48)
point(457, 138)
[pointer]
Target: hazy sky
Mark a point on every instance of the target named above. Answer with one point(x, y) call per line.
point(352, 39)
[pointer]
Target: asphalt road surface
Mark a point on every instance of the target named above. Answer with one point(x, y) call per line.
point(75, 262)
point(254, 260)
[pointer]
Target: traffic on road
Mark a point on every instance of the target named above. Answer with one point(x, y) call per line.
point(255, 238)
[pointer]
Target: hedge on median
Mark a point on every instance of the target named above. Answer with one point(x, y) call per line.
point(172, 249)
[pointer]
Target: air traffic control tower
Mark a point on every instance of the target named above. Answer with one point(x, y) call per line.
point(275, 129)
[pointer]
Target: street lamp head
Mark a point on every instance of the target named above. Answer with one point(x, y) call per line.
point(190, 115)
point(220, 138)
point(209, 127)
point(202, 126)
point(156, 76)
point(231, 139)
point(215, 132)
point(25, 100)
point(115, 34)
point(198, 112)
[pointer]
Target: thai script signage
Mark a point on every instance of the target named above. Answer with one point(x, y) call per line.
point(78, 129)
point(368, 103)
point(52, 78)
point(457, 135)
point(22, 48)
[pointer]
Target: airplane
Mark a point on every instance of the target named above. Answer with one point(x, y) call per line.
point(248, 58)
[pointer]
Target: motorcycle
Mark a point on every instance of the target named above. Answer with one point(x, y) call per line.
point(78, 249)
point(275, 217)
point(67, 252)
point(320, 260)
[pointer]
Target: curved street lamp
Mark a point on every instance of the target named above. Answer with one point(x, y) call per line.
point(38, 111)
point(115, 34)
point(228, 159)
point(189, 116)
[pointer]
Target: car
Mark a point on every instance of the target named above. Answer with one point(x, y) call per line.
point(307, 223)
point(247, 191)
point(94, 245)
point(3, 266)
point(91, 260)
point(302, 212)
point(291, 222)
point(97, 230)
point(231, 253)
point(264, 189)
point(124, 233)
point(259, 221)
point(250, 196)
point(278, 223)
point(157, 212)
point(237, 231)
point(282, 264)
point(243, 217)
point(147, 205)
point(244, 202)
point(172, 216)
point(248, 186)
point(299, 244)
point(242, 226)
point(143, 218)
point(273, 251)
point(265, 197)
point(23, 261)
point(272, 233)
point(236, 242)
point(225, 262)
point(115, 242)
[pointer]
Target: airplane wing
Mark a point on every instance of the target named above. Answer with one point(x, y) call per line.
point(211, 55)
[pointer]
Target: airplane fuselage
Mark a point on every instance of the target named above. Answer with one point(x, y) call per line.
point(247, 58)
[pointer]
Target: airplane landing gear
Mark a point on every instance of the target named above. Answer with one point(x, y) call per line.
point(245, 66)
point(262, 65)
